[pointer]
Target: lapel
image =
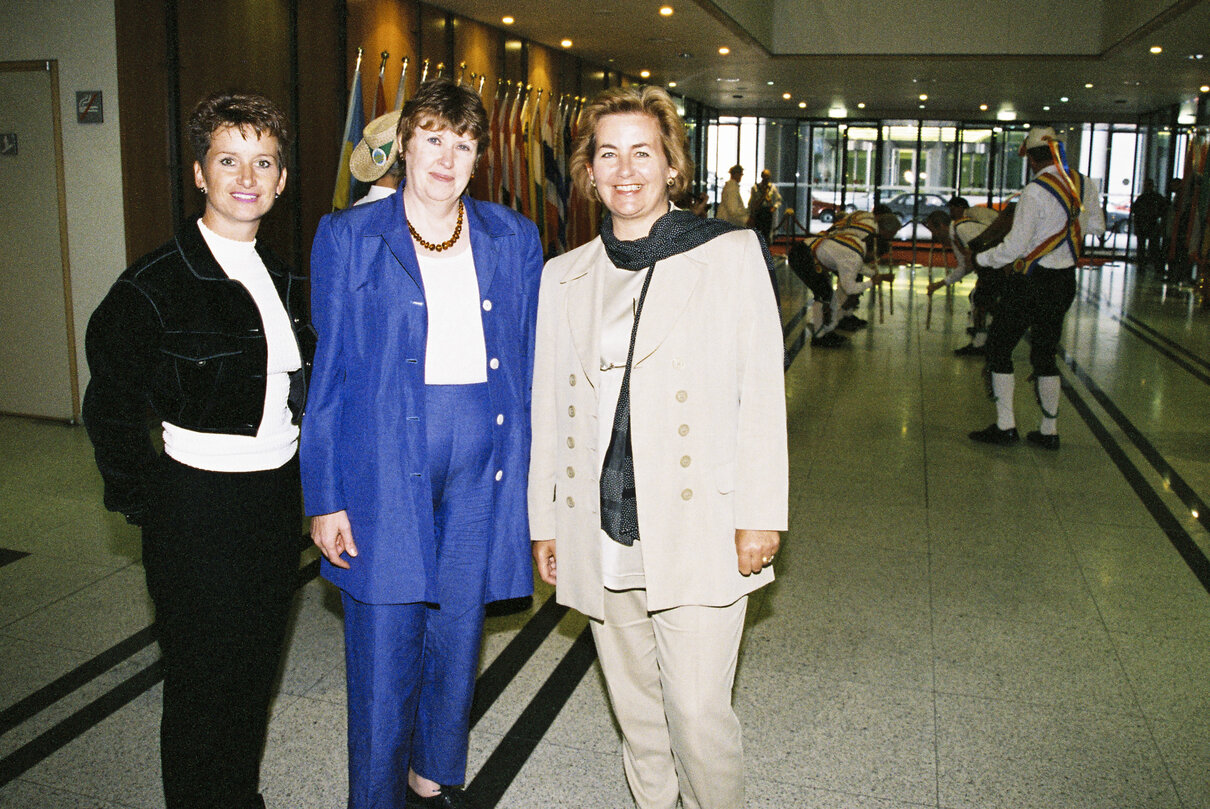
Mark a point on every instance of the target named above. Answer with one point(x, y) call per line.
point(388, 221)
point(584, 283)
point(484, 234)
point(671, 288)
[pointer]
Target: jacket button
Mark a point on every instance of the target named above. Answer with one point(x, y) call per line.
point(683, 429)
point(572, 380)
point(571, 442)
point(571, 472)
point(571, 502)
point(571, 411)
point(681, 396)
point(499, 418)
point(200, 363)
point(499, 474)
point(494, 364)
point(685, 460)
point(687, 494)
point(487, 305)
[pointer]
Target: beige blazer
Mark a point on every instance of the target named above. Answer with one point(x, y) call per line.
point(708, 421)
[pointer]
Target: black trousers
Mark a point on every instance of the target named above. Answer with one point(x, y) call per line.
point(1036, 302)
point(221, 551)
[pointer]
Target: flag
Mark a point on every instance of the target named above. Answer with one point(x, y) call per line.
point(506, 152)
point(403, 74)
point(343, 195)
point(537, 168)
point(520, 169)
point(493, 150)
point(551, 179)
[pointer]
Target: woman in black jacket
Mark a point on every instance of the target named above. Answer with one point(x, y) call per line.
point(208, 333)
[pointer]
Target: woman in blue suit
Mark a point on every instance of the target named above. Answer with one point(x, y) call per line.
point(415, 444)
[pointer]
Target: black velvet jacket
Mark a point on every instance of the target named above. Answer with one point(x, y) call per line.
point(176, 335)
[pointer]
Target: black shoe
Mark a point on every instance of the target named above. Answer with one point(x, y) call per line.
point(972, 331)
point(970, 350)
point(1044, 441)
point(446, 798)
point(994, 435)
point(829, 340)
point(852, 323)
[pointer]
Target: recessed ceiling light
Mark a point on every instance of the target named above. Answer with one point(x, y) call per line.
point(802, 105)
point(1156, 49)
point(566, 43)
point(837, 112)
point(508, 20)
point(786, 96)
point(645, 74)
point(724, 50)
point(983, 107)
point(924, 96)
point(769, 83)
point(666, 11)
point(861, 105)
point(1046, 108)
point(1205, 88)
point(672, 84)
point(1087, 85)
point(1064, 99)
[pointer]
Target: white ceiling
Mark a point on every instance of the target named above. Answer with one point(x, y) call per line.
point(1012, 54)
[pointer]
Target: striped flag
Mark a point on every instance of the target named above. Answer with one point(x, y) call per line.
point(380, 93)
point(343, 194)
point(552, 179)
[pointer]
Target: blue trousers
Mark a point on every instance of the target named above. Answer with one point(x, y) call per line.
point(411, 667)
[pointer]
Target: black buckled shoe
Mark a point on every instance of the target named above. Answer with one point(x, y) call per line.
point(829, 340)
point(446, 798)
point(1044, 441)
point(852, 323)
point(970, 350)
point(994, 435)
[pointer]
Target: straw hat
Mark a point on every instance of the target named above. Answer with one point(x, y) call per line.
point(1039, 136)
point(374, 154)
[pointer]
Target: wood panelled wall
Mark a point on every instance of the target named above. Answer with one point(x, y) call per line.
point(301, 54)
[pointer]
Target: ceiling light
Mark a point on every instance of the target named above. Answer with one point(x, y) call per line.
point(983, 107)
point(861, 105)
point(837, 112)
point(665, 11)
point(769, 83)
point(1156, 49)
point(672, 84)
point(645, 74)
point(802, 105)
point(924, 96)
point(1064, 99)
point(566, 43)
point(508, 20)
point(1006, 115)
point(1046, 108)
point(723, 51)
point(921, 106)
point(1087, 85)
point(786, 96)
point(1205, 88)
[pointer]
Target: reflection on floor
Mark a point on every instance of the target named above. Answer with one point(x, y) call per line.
point(953, 625)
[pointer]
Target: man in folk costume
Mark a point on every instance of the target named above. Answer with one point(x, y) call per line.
point(843, 250)
point(1056, 210)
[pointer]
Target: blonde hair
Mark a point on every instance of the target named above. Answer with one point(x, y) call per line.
point(646, 100)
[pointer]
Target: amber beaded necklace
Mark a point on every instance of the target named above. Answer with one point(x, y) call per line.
point(445, 245)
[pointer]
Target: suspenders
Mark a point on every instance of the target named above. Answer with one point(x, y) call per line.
point(1069, 195)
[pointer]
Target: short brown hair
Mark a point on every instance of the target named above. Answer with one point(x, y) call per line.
point(241, 110)
point(444, 104)
point(647, 100)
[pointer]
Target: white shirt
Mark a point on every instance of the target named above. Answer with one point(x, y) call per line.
point(375, 193)
point(962, 230)
point(455, 353)
point(276, 440)
point(731, 206)
point(1038, 217)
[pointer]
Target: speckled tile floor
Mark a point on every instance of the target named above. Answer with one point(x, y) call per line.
point(953, 625)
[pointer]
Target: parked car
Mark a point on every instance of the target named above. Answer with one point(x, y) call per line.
point(903, 204)
point(826, 211)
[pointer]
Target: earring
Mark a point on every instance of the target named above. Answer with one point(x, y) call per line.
point(203, 189)
point(276, 196)
point(671, 180)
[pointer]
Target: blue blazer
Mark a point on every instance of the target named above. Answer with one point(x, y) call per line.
point(363, 445)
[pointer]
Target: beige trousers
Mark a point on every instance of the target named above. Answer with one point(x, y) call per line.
point(669, 676)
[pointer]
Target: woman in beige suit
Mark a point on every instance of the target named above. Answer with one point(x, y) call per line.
point(658, 476)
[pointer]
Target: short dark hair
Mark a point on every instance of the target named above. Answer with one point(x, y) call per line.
point(645, 100)
point(958, 202)
point(939, 218)
point(444, 104)
point(1040, 154)
point(241, 110)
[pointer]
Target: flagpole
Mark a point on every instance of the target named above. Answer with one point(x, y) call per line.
point(403, 74)
point(424, 71)
point(382, 67)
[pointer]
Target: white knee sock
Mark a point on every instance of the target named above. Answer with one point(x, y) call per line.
point(818, 327)
point(980, 338)
point(1002, 390)
point(1048, 400)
